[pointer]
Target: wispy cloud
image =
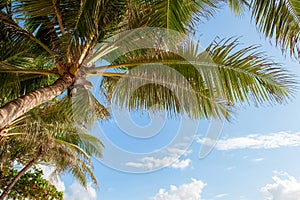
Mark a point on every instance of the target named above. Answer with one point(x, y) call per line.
point(190, 191)
point(219, 196)
point(285, 187)
point(256, 141)
point(171, 159)
point(151, 163)
point(257, 159)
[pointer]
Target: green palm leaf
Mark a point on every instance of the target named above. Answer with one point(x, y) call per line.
point(281, 20)
point(220, 76)
point(238, 6)
point(179, 15)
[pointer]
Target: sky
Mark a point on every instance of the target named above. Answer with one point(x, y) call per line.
point(256, 156)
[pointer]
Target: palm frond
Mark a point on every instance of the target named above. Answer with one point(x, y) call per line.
point(20, 75)
point(91, 145)
point(220, 76)
point(89, 21)
point(19, 35)
point(87, 108)
point(279, 19)
point(238, 6)
point(247, 75)
point(74, 164)
point(165, 88)
point(43, 19)
point(72, 147)
point(179, 15)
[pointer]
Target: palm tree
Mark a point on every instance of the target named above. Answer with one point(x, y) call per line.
point(51, 135)
point(51, 38)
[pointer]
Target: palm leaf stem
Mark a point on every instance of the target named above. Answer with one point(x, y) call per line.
point(59, 19)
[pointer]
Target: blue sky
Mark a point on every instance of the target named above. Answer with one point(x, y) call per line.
point(257, 156)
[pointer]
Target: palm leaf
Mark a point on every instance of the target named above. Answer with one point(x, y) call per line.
point(220, 76)
point(18, 76)
point(89, 22)
point(19, 35)
point(279, 19)
point(179, 15)
point(248, 75)
point(238, 6)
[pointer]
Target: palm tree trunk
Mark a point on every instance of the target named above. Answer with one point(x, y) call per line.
point(21, 105)
point(21, 173)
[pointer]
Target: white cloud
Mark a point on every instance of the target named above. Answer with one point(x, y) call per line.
point(256, 141)
point(168, 161)
point(190, 191)
point(169, 158)
point(257, 159)
point(77, 192)
point(181, 164)
point(285, 187)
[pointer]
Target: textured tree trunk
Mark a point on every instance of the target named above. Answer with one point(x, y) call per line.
point(21, 105)
point(21, 173)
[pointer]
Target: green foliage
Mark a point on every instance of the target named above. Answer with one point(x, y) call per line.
point(58, 130)
point(220, 77)
point(31, 185)
point(15, 58)
point(55, 131)
point(279, 19)
point(178, 15)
